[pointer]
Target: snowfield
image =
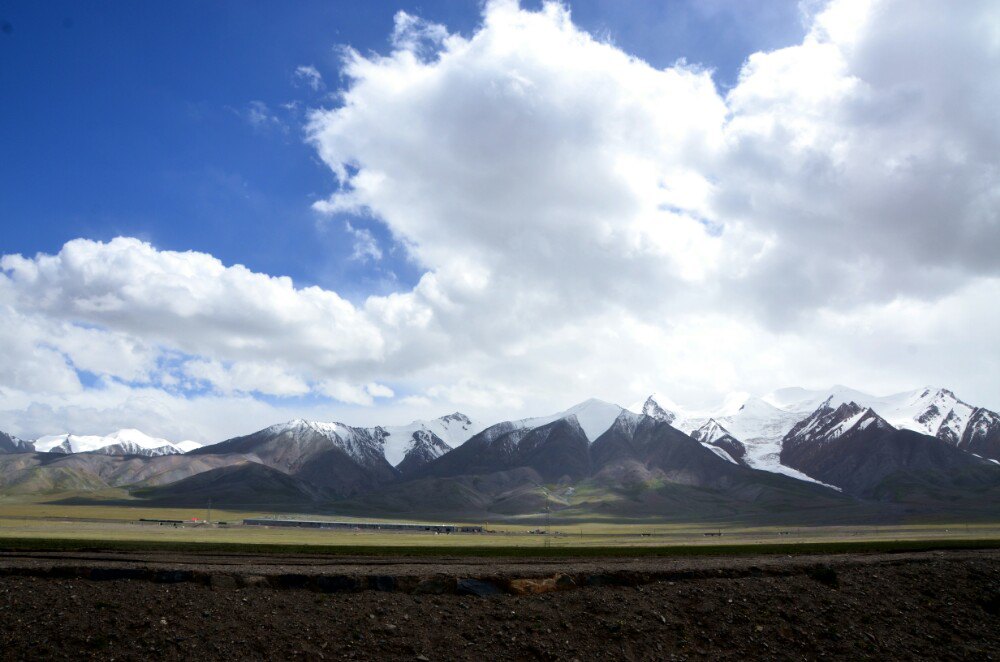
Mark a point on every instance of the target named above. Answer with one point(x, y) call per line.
point(126, 442)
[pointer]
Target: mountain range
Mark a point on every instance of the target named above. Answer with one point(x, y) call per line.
point(122, 442)
point(793, 453)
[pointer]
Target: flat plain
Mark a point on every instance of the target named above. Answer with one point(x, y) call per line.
point(26, 520)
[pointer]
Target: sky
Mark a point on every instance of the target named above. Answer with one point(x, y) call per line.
point(218, 216)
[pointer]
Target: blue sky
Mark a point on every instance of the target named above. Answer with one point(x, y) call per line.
point(134, 119)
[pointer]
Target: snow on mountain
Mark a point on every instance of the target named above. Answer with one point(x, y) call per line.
point(718, 439)
point(299, 429)
point(70, 443)
point(829, 422)
point(805, 401)
point(453, 429)
point(761, 427)
point(428, 439)
point(658, 407)
point(122, 442)
point(661, 408)
point(932, 411)
point(757, 419)
point(710, 432)
point(362, 444)
point(11, 444)
point(721, 453)
point(852, 447)
point(982, 434)
point(593, 416)
point(758, 425)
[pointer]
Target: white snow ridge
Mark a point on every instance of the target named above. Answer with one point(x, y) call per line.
point(128, 441)
point(594, 417)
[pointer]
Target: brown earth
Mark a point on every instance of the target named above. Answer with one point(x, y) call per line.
point(933, 605)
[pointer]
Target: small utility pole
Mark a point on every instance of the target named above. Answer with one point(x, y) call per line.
point(208, 515)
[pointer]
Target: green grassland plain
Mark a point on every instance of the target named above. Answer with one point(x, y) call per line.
point(45, 523)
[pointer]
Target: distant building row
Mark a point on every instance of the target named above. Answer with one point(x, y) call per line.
point(372, 526)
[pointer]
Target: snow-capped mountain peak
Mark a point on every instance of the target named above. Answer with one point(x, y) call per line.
point(128, 441)
point(301, 426)
point(930, 410)
point(426, 439)
point(827, 422)
point(593, 416)
point(453, 430)
point(657, 407)
point(718, 439)
point(710, 431)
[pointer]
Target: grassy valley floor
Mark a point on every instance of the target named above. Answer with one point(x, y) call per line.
point(38, 519)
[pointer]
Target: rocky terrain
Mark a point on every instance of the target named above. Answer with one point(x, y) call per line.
point(933, 605)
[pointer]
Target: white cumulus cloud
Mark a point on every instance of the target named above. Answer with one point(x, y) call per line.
point(586, 225)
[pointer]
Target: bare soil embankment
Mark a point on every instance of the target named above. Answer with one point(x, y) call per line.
point(940, 605)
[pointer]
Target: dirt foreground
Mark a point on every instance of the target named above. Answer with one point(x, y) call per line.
point(931, 605)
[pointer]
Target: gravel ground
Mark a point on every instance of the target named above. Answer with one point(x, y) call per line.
point(270, 565)
point(942, 605)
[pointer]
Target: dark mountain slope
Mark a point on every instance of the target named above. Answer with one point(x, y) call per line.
point(656, 446)
point(426, 448)
point(556, 451)
point(11, 444)
point(854, 449)
point(247, 485)
point(713, 433)
point(513, 492)
point(639, 466)
point(339, 472)
point(982, 434)
point(644, 447)
point(27, 473)
point(342, 459)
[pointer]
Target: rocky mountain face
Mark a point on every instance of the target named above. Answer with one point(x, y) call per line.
point(332, 459)
point(828, 423)
point(554, 450)
point(937, 412)
point(714, 434)
point(758, 455)
point(557, 447)
point(11, 444)
point(425, 447)
point(981, 435)
point(333, 456)
point(855, 449)
point(756, 425)
point(761, 424)
point(644, 446)
point(346, 460)
point(129, 448)
point(422, 441)
point(637, 465)
point(651, 407)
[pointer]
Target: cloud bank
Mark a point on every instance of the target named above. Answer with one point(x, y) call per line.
point(586, 225)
